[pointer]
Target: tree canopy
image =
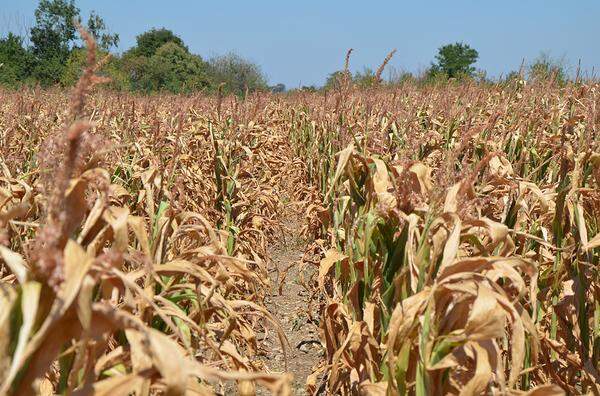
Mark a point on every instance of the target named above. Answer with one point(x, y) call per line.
point(160, 60)
point(15, 61)
point(54, 28)
point(54, 36)
point(149, 42)
point(455, 60)
point(171, 68)
point(98, 29)
point(51, 38)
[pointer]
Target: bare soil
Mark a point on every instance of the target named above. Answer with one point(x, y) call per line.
point(290, 304)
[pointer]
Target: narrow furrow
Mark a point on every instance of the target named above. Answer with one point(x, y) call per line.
point(289, 303)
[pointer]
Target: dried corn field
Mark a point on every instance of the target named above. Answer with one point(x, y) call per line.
point(452, 240)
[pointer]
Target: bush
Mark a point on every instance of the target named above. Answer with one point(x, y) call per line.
point(401, 77)
point(365, 79)
point(545, 68)
point(113, 69)
point(335, 80)
point(278, 88)
point(237, 74)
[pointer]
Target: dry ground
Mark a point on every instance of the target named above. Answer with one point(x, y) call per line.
point(290, 303)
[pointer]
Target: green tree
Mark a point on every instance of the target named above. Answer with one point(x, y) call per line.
point(15, 61)
point(172, 68)
point(51, 38)
point(454, 61)
point(237, 74)
point(54, 28)
point(54, 36)
point(98, 29)
point(184, 72)
point(149, 42)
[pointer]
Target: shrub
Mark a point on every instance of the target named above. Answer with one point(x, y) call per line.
point(237, 74)
point(545, 68)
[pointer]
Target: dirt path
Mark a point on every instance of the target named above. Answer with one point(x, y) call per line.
point(290, 304)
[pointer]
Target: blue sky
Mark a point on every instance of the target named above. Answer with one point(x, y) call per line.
point(301, 42)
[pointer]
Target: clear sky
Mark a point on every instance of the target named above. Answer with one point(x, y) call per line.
point(300, 42)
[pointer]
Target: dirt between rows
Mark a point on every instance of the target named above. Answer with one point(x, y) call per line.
point(290, 303)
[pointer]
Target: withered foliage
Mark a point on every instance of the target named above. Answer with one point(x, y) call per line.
point(455, 238)
point(134, 236)
point(460, 240)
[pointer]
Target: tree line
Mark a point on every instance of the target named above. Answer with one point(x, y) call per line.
point(161, 61)
point(455, 62)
